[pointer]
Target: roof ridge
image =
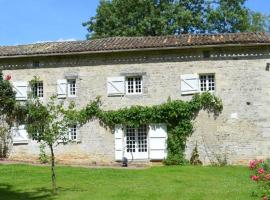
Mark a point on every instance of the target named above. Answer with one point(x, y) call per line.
point(141, 37)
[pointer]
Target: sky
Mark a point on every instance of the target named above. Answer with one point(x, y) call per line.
point(31, 21)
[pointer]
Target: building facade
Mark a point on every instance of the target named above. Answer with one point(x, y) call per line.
point(147, 71)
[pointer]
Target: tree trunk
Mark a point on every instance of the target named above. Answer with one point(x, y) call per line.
point(53, 170)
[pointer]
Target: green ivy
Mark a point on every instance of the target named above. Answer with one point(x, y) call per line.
point(177, 114)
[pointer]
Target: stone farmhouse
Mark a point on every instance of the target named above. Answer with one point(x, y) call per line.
point(127, 71)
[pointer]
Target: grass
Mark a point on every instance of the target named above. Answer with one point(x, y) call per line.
point(27, 182)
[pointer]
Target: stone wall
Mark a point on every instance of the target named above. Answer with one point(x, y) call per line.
point(240, 133)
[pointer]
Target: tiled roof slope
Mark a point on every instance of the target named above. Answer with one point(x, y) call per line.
point(134, 43)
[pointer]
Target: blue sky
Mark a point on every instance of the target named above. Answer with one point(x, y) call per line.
point(28, 21)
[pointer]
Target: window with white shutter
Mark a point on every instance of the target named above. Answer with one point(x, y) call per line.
point(116, 86)
point(189, 84)
point(62, 88)
point(20, 135)
point(20, 87)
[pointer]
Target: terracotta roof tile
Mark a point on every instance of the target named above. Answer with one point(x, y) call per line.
point(133, 43)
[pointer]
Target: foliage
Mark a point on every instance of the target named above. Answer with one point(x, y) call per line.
point(48, 123)
point(7, 98)
point(7, 112)
point(260, 173)
point(195, 157)
point(177, 114)
point(155, 183)
point(172, 17)
point(43, 158)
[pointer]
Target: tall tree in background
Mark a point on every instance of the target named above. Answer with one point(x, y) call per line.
point(172, 17)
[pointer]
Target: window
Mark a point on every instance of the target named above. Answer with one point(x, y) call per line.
point(37, 89)
point(73, 130)
point(72, 88)
point(207, 82)
point(136, 139)
point(134, 85)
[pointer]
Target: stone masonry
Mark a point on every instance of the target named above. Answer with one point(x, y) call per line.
point(240, 133)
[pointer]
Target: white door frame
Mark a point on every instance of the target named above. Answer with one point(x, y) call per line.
point(135, 154)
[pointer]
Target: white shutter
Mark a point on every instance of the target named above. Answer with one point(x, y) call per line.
point(20, 135)
point(189, 83)
point(61, 88)
point(158, 141)
point(116, 86)
point(118, 138)
point(20, 87)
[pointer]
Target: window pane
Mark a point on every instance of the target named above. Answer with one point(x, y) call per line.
point(142, 139)
point(138, 84)
point(72, 87)
point(134, 85)
point(211, 83)
point(37, 89)
point(130, 139)
point(130, 85)
point(73, 132)
point(203, 83)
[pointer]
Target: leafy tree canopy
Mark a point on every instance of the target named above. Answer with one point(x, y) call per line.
point(172, 17)
point(7, 99)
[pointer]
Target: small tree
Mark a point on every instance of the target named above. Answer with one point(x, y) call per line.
point(49, 123)
point(7, 112)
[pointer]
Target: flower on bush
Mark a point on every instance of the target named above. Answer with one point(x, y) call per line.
point(267, 176)
point(255, 178)
point(260, 173)
point(260, 170)
point(252, 164)
point(7, 78)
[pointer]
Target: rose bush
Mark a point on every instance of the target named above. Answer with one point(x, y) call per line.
point(260, 173)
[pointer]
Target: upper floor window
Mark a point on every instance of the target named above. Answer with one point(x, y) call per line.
point(207, 82)
point(37, 89)
point(72, 88)
point(134, 85)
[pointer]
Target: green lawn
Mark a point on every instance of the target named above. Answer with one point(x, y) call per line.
point(169, 183)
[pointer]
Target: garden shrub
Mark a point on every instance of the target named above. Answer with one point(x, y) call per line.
point(260, 173)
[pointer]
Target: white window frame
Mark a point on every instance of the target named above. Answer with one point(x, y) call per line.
point(208, 80)
point(134, 85)
point(73, 131)
point(71, 87)
point(139, 144)
point(38, 89)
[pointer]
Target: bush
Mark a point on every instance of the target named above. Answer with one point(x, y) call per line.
point(43, 158)
point(195, 157)
point(260, 173)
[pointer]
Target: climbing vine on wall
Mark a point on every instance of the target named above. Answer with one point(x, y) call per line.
point(177, 114)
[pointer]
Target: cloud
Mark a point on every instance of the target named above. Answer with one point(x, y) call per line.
point(59, 40)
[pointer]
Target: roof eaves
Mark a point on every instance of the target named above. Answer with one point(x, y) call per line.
point(134, 50)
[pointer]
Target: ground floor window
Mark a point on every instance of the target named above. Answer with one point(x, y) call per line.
point(136, 141)
point(146, 142)
point(73, 132)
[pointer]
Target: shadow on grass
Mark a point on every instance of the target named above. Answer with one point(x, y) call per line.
point(8, 193)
